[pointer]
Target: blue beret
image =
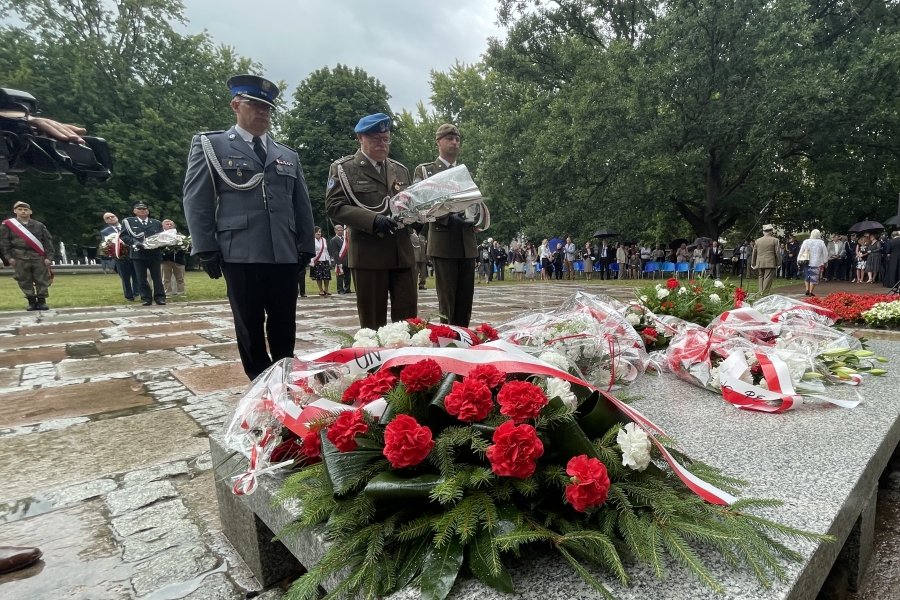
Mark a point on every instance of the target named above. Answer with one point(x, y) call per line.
point(377, 123)
point(253, 86)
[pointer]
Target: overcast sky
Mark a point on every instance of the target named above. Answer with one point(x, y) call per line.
point(395, 41)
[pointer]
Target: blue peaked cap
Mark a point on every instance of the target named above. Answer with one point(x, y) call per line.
point(253, 86)
point(377, 123)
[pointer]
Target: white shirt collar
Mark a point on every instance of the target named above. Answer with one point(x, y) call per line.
point(248, 137)
point(373, 161)
point(446, 164)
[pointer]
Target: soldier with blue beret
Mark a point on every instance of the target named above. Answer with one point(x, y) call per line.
point(358, 196)
point(250, 218)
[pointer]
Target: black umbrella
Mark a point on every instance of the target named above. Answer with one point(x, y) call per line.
point(677, 243)
point(866, 226)
point(895, 220)
point(605, 233)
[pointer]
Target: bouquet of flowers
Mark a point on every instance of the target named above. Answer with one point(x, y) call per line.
point(767, 363)
point(696, 301)
point(883, 314)
point(481, 452)
point(167, 238)
point(586, 336)
point(446, 192)
point(111, 246)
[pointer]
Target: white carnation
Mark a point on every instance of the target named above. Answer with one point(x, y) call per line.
point(635, 445)
point(683, 290)
point(718, 283)
point(659, 286)
point(421, 339)
point(659, 328)
point(633, 319)
point(714, 298)
point(555, 359)
point(560, 388)
point(365, 332)
point(662, 293)
point(366, 342)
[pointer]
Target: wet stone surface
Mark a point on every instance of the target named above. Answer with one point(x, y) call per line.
point(103, 418)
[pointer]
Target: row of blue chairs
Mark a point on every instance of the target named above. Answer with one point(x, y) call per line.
point(675, 269)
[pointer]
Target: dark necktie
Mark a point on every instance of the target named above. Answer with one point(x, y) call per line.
point(258, 148)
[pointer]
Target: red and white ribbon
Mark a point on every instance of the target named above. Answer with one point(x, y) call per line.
point(26, 235)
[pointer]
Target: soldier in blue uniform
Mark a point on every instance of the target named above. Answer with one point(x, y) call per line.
point(250, 218)
point(135, 230)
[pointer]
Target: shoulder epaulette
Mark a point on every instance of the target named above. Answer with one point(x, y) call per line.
point(211, 132)
point(285, 146)
point(422, 165)
point(397, 163)
point(344, 159)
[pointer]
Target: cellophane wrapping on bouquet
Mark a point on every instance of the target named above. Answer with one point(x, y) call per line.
point(769, 361)
point(446, 192)
point(269, 411)
point(783, 308)
point(113, 247)
point(586, 335)
point(167, 239)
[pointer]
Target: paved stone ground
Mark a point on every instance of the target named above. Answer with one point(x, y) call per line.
point(106, 467)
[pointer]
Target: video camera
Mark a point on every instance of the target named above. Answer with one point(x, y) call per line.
point(21, 148)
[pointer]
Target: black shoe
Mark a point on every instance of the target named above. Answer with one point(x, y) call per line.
point(130, 299)
point(422, 287)
point(161, 303)
point(147, 303)
point(303, 296)
point(42, 304)
point(340, 291)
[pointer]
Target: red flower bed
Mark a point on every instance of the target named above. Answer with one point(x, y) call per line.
point(849, 307)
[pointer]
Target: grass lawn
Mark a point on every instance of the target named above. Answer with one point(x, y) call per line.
point(70, 290)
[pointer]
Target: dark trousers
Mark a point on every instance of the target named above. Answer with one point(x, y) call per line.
point(603, 267)
point(130, 284)
point(790, 269)
point(455, 284)
point(501, 267)
point(832, 270)
point(301, 281)
point(343, 281)
point(141, 267)
point(372, 289)
point(263, 301)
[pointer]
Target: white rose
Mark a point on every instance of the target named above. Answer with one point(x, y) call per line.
point(560, 388)
point(662, 293)
point(422, 339)
point(633, 319)
point(718, 283)
point(714, 298)
point(635, 445)
point(555, 359)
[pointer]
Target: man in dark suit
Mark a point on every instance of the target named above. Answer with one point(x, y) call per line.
point(451, 240)
point(124, 268)
point(135, 230)
point(337, 249)
point(358, 196)
point(249, 215)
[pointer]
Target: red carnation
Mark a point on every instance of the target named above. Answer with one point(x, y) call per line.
point(406, 443)
point(376, 385)
point(342, 432)
point(469, 400)
point(515, 450)
point(489, 375)
point(672, 283)
point(351, 394)
point(312, 443)
point(521, 400)
point(420, 376)
point(650, 332)
point(441, 331)
point(487, 333)
point(590, 483)
point(417, 323)
point(740, 294)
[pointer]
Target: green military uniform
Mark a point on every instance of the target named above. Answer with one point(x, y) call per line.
point(32, 275)
point(381, 265)
point(453, 251)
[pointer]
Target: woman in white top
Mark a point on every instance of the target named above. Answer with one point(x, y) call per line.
point(320, 265)
point(546, 265)
point(815, 248)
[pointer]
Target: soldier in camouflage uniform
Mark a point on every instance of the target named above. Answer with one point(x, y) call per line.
point(27, 245)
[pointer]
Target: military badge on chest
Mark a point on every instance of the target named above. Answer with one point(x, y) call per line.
point(397, 184)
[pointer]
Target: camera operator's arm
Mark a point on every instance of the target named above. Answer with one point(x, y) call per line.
point(60, 131)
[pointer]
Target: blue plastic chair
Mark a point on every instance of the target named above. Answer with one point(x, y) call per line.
point(651, 267)
point(614, 268)
point(667, 267)
point(701, 268)
point(683, 267)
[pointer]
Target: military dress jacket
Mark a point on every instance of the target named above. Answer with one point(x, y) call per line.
point(368, 250)
point(444, 240)
point(270, 223)
point(13, 246)
point(766, 253)
point(334, 249)
point(133, 232)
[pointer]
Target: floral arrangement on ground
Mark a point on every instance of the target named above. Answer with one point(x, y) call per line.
point(850, 307)
point(441, 460)
point(696, 300)
point(883, 314)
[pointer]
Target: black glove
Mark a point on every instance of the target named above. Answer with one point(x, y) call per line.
point(305, 258)
point(211, 262)
point(457, 221)
point(384, 225)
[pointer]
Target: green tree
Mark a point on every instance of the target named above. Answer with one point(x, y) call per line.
point(327, 106)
